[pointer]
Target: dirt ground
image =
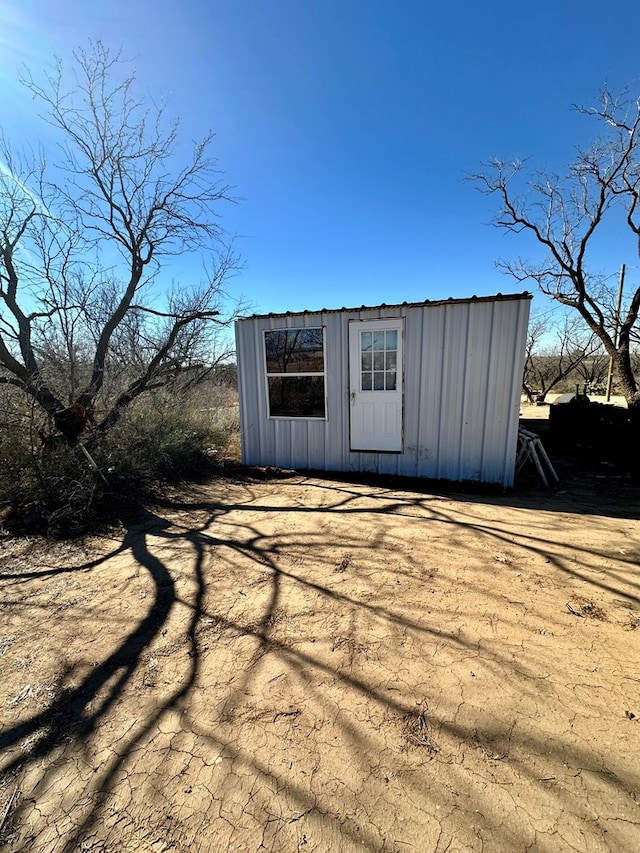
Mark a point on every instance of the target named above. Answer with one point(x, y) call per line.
point(305, 664)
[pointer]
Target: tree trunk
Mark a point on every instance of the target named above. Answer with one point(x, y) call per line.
point(622, 362)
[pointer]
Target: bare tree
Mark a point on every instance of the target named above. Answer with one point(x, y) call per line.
point(593, 371)
point(565, 215)
point(82, 240)
point(559, 345)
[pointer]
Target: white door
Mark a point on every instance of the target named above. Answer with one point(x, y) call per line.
point(375, 374)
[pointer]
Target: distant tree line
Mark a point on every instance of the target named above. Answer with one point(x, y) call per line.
point(562, 354)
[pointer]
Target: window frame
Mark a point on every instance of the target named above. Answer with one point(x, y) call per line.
point(269, 375)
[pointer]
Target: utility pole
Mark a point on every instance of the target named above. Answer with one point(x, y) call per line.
point(616, 322)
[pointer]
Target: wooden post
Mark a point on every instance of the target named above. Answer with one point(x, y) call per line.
point(615, 332)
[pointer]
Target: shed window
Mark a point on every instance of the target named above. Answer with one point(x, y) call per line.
point(295, 372)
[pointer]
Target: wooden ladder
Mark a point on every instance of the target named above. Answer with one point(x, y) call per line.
point(530, 449)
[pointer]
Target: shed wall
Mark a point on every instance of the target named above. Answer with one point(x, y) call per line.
point(462, 381)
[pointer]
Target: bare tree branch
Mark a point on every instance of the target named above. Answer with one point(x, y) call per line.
point(122, 182)
point(558, 346)
point(564, 214)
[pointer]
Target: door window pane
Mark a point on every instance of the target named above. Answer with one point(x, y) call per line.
point(379, 360)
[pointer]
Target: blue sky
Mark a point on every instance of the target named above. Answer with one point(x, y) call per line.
point(347, 128)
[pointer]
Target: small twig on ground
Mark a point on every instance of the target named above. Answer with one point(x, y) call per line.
point(293, 713)
point(7, 809)
point(26, 691)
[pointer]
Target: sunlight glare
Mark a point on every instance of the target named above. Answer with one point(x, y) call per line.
point(20, 41)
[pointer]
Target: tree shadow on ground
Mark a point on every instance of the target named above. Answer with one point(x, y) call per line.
point(80, 705)
point(583, 488)
point(253, 575)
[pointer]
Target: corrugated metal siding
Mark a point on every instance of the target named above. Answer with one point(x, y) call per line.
point(462, 381)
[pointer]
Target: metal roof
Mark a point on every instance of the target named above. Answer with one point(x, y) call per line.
point(499, 297)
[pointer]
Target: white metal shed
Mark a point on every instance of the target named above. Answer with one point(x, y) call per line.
point(428, 389)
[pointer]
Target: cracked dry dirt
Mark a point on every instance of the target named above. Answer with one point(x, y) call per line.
point(309, 665)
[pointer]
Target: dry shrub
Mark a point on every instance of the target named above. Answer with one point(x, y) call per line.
point(52, 488)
